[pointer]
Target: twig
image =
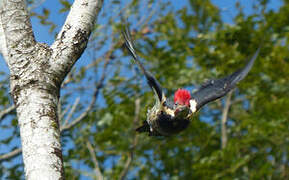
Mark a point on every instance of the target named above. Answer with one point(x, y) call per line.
point(11, 154)
point(72, 110)
point(226, 108)
point(96, 165)
point(5, 112)
point(90, 106)
point(61, 114)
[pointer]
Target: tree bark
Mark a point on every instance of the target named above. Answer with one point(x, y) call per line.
point(36, 73)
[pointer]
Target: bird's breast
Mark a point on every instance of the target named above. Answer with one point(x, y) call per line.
point(169, 125)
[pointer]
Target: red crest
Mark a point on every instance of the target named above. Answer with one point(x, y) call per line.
point(182, 97)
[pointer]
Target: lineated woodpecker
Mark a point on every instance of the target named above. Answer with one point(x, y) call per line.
point(164, 119)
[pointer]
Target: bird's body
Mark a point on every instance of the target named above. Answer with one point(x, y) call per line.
point(164, 119)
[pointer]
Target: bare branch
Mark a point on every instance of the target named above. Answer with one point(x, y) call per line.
point(74, 33)
point(224, 120)
point(5, 112)
point(134, 141)
point(90, 106)
point(94, 159)
point(10, 155)
point(76, 102)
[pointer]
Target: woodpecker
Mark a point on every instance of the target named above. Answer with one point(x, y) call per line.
point(165, 119)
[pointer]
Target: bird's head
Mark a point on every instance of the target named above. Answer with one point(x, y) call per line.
point(182, 97)
point(182, 102)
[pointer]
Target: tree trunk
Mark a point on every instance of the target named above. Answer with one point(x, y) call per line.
point(39, 130)
point(36, 73)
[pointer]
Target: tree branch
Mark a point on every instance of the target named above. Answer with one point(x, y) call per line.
point(73, 37)
point(90, 106)
point(18, 34)
point(10, 155)
point(72, 110)
point(224, 120)
point(6, 111)
point(94, 159)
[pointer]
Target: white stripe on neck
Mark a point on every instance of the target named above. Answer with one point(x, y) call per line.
point(193, 105)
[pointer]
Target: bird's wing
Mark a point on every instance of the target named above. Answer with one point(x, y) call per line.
point(214, 89)
point(151, 80)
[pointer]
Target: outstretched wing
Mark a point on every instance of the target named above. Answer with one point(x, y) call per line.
point(218, 88)
point(151, 80)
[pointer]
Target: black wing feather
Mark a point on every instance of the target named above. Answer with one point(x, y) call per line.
point(151, 80)
point(218, 88)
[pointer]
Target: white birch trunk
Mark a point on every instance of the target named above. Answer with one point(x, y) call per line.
point(36, 73)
